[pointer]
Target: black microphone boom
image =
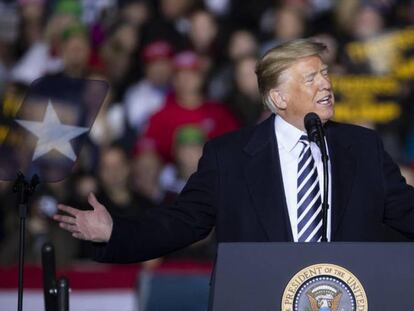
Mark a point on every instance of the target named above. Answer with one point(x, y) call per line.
point(316, 133)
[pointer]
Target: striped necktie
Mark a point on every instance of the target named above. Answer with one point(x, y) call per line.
point(309, 196)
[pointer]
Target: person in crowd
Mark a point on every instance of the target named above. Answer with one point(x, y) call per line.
point(203, 32)
point(242, 43)
point(145, 172)
point(146, 97)
point(289, 24)
point(33, 13)
point(75, 51)
point(245, 101)
point(367, 24)
point(187, 105)
point(203, 35)
point(171, 24)
point(114, 187)
point(333, 55)
point(43, 56)
point(114, 56)
point(188, 147)
point(136, 13)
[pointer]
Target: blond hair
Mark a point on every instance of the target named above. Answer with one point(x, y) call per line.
point(276, 60)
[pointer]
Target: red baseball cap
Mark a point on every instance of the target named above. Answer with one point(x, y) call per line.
point(157, 50)
point(187, 60)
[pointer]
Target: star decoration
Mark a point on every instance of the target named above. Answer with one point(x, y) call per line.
point(53, 135)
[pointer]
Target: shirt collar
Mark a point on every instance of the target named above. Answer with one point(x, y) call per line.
point(287, 135)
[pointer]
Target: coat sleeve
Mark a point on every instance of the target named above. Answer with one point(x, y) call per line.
point(165, 229)
point(399, 197)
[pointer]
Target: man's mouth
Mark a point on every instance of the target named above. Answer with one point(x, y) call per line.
point(327, 100)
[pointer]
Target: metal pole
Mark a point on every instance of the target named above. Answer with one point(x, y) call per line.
point(22, 237)
point(23, 190)
point(49, 277)
point(63, 294)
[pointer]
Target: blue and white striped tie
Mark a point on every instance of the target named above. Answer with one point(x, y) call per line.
point(309, 196)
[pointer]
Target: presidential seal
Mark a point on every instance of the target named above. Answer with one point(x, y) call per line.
point(324, 287)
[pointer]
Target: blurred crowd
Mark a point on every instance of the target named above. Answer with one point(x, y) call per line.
point(181, 72)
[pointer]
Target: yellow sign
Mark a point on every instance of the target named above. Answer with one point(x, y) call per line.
point(366, 98)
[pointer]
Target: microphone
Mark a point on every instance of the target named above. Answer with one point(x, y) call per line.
point(316, 134)
point(314, 128)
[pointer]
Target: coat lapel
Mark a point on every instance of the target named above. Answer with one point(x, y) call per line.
point(264, 178)
point(343, 166)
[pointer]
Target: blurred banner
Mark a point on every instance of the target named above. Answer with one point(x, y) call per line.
point(380, 79)
point(367, 98)
point(390, 53)
point(43, 133)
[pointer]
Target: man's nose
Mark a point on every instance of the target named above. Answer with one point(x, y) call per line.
point(324, 82)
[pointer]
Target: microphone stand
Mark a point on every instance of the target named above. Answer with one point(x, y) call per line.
point(325, 204)
point(316, 134)
point(63, 294)
point(55, 292)
point(24, 190)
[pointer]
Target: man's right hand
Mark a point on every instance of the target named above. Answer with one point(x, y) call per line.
point(95, 225)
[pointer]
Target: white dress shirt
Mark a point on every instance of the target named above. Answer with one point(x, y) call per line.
point(289, 149)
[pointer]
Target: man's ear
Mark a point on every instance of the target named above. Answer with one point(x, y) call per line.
point(277, 99)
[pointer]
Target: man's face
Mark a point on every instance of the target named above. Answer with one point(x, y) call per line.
point(159, 72)
point(305, 87)
point(113, 169)
point(187, 81)
point(76, 52)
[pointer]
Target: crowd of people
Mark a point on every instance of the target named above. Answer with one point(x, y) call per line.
point(181, 72)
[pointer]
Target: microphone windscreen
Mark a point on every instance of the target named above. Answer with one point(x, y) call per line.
point(311, 119)
point(312, 122)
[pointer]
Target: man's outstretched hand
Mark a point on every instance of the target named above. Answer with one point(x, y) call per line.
point(94, 225)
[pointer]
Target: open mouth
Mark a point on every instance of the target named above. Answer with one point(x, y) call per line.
point(327, 100)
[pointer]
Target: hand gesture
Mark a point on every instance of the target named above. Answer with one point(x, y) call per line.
point(94, 225)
